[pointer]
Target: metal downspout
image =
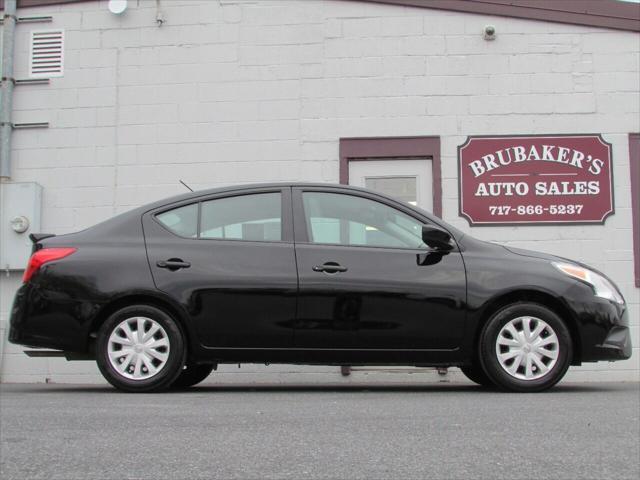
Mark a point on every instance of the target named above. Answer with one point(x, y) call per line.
point(6, 106)
point(6, 98)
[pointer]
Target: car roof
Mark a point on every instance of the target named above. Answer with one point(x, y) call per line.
point(258, 186)
point(250, 186)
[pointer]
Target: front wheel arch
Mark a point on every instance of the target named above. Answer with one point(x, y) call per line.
point(533, 296)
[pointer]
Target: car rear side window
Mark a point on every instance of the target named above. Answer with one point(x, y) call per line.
point(256, 217)
point(351, 220)
point(182, 221)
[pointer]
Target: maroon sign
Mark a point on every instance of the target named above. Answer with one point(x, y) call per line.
point(535, 179)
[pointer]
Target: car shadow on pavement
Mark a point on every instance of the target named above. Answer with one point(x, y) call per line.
point(428, 388)
point(306, 388)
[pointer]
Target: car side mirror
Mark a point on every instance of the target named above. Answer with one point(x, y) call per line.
point(436, 238)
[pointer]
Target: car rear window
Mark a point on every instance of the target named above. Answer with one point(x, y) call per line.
point(256, 217)
point(182, 221)
point(253, 217)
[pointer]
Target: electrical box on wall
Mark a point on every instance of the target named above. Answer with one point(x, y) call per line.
point(21, 205)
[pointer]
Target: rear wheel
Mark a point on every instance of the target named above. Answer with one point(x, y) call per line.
point(477, 375)
point(525, 347)
point(191, 375)
point(140, 348)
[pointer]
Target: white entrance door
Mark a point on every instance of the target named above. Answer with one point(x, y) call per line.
point(408, 180)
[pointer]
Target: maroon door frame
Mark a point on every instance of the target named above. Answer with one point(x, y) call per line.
point(390, 148)
point(634, 167)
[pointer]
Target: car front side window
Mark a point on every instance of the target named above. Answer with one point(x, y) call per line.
point(341, 219)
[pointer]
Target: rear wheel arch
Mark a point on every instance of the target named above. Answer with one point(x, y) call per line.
point(143, 299)
point(533, 296)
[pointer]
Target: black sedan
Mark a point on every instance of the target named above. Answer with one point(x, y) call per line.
point(309, 274)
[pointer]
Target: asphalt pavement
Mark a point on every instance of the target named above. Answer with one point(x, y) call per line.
point(439, 431)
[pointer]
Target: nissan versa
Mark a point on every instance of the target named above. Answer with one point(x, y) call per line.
point(309, 274)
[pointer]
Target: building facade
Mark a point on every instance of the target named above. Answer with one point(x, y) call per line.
point(381, 94)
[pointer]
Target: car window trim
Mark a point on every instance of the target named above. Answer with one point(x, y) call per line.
point(286, 215)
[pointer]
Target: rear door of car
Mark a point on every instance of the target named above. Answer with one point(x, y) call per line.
point(229, 260)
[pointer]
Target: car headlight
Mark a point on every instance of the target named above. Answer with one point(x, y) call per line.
point(601, 286)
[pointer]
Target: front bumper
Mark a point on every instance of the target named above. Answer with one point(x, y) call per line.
point(617, 344)
point(603, 330)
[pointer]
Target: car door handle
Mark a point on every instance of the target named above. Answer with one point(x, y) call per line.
point(330, 267)
point(173, 264)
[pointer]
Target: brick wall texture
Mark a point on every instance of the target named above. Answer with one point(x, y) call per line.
point(236, 91)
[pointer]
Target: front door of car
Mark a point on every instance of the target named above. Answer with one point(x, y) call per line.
point(366, 279)
point(229, 261)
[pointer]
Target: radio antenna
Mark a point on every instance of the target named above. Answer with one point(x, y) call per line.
point(190, 189)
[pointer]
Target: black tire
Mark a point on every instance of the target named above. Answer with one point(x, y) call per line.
point(170, 369)
point(499, 374)
point(476, 374)
point(191, 375)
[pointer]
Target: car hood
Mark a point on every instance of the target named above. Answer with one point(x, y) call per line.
point(546, 256)
point(532, 253)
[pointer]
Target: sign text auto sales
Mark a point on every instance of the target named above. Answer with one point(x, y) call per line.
point(551, 179)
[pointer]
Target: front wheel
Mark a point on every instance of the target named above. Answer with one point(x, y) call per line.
point(525, 347)
point(140, 348)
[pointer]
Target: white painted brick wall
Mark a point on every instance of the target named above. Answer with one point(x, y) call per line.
point(233, 91)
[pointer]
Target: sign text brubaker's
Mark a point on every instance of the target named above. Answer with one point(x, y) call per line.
point(535, 179)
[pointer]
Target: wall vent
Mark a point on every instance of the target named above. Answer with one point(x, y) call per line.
point(46, 53)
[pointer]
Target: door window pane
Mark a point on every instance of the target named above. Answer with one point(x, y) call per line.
point(246, 217)
point(350, 220)
point(401, 188)
point(182, 221)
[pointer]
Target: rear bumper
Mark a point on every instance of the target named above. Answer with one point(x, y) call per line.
point(48, 319)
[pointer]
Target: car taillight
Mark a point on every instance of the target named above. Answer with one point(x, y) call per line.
point(43, 256)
